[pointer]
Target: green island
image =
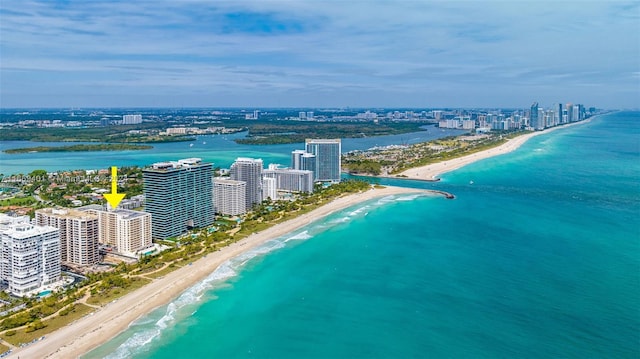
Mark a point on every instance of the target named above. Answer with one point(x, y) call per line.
point(283, 132)
point(23, 320)
point(81, 148)
point(260, 132)
point(140, 133)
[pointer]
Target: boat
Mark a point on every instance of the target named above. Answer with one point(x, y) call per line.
point(191, 145)
point(470, 182)
point(204, 142)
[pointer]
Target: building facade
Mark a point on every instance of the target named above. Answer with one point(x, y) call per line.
point(229, 197)
point(126, 231)
point(534, 117)
point(289, 180)
point(29, 255)
point(249, 170)
point(179, 196)
point(327, 154)
point(78, 234)
point(269, 188)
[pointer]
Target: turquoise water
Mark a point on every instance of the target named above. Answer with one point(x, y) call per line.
point(539, 257)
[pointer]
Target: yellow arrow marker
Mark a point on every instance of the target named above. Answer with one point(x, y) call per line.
point(114, 197)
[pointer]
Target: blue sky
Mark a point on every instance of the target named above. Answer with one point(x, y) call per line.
point(321, 53)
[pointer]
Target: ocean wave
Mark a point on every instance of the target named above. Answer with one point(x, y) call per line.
point(340, 220)
point(358, 211)
point(145, 335)
point(408, 197)
point(401, 198)
point(134, 343)
point(300, 236)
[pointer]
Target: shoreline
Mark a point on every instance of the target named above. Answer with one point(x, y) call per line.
point(91, 331)
point(431, 172)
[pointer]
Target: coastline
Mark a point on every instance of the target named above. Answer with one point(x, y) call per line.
point(431, 172)
point(93, 330)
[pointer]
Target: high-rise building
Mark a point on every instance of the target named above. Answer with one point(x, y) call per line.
point(569, 109)
point(296, 159)
point(131, 119)
point(29, 255)
point(269, 189)
point(302, 115)
point(308, 162)
point(559, 114)
point(290, 180)
point(179, 196)
point(302, 160)
point(78, 234)
point(327, 152)
point(229, 196)
point(575, 114)
point(126, 231)
point(249, 170)
point(534, 118)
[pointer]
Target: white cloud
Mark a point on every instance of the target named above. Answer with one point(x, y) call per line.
point(382, 48)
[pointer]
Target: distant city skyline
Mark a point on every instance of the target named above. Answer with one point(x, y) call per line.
point(305, 54)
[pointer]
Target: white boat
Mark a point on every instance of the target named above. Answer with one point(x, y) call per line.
point(191, 145)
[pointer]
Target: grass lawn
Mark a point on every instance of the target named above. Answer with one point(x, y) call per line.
point(52, 324)
point(3, 348)
point(163, 272)
point(17, 201)
point(115, 293)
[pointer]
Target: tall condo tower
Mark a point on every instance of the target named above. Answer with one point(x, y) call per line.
point(327, 154)
point(179, 196)
point(249, 170)
point(30, 255)
point(78, 234)
point(127, 231)
point(534, 119)
point(302, 160)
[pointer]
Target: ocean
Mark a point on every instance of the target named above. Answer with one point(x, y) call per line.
point(538, 256)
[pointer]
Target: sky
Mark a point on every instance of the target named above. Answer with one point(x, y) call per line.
point(319, 53)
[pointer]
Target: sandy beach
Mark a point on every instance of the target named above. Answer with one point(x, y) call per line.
point(89, 332)
point(432, 171)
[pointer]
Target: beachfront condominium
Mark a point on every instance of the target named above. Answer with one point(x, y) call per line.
point(229, 197)
point(303, 160)
point(179, 196)
point(29, 255)
point(535, 121)
point(290, 180)
point(78, 234)
point(126, 231)
point(249, 170)
point(327, 158)
point(269, 189)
